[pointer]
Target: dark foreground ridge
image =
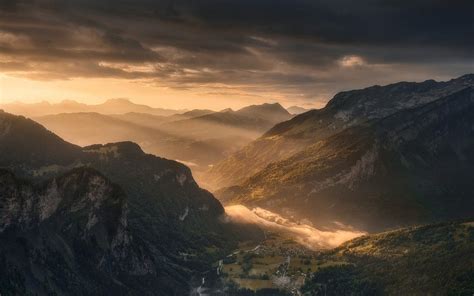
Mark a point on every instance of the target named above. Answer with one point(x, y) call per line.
point(176, 228)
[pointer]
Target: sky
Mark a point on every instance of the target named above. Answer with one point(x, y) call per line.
point(226, 53)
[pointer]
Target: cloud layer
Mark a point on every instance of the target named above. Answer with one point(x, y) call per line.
point(302, 233)
point(302, 50)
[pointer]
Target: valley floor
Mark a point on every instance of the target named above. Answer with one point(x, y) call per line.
point(425, 260)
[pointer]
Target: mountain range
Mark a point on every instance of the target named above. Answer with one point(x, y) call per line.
point(252, 120)
point(111, 106)
point(198, 138)
point(101, 218)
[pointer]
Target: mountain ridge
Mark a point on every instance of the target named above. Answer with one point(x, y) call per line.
point(344, 110)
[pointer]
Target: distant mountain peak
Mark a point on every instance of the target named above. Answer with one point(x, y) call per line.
point(266, 107)
point(119, 100)
point(123, 102)
point(272, 104)
point(275, 106)
point(71, 102)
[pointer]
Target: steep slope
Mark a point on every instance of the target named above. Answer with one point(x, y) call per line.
point(428, 260)
point(179, 224)
point(414, 166)
point(164, 198)
point(346, 109)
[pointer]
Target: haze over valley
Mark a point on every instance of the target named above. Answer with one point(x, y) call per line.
point(198, 138)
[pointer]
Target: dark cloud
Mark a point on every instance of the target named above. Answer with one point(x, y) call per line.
point(296, 47)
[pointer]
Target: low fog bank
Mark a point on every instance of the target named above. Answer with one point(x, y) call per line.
point(302, 233)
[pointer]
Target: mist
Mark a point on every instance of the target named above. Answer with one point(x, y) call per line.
point(302, 233)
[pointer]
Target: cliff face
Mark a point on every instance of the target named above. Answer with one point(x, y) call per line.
point(165, 201)
point(68, 235)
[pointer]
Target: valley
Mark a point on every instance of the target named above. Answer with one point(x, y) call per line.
point(283, 260)
point(280, 266)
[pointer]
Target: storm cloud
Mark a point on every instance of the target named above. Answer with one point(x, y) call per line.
point(298, 48)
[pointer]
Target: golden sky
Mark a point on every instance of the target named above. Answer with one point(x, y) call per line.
point(97, 90)
point(220, 54)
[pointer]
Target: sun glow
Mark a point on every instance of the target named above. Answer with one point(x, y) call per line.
point(97, 90)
